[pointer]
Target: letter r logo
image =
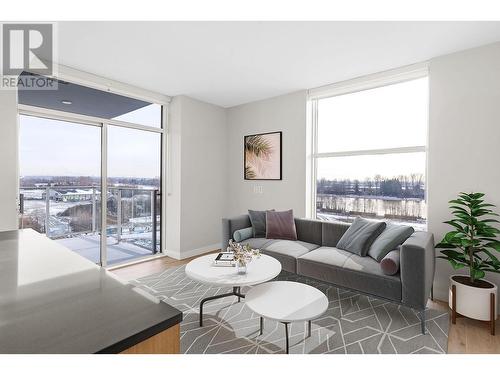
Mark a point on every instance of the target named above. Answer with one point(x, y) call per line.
point(27, 47)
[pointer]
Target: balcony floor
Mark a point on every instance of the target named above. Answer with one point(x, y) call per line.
point(88, 247)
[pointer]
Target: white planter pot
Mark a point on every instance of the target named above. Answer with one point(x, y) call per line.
point(473, 302)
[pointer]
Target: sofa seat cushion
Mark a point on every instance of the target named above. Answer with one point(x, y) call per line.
point(348, 270)
point(256, 243)
point(287, 252)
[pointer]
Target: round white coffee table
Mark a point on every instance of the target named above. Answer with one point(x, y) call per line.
point(259, 270)
point(286, 302)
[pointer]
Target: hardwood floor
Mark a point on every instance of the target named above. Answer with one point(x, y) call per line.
point(466, 337)
point(138, 270)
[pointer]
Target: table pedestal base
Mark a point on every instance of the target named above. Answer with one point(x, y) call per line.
point(309, 324)
point(236, 292)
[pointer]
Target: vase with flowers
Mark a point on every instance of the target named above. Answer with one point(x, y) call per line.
point(243, 255)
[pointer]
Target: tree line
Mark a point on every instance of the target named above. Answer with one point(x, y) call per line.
point(404, 186)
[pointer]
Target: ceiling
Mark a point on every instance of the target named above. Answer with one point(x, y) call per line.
point(73, 98)
point(231, 63)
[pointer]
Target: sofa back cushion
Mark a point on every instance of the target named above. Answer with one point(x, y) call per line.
point(258, 220)
point(392, 236)
point(280, 225)
point(360, 236)
point(309, 230)
point(332, 232)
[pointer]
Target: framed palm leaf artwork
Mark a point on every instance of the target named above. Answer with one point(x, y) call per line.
point(262, 156)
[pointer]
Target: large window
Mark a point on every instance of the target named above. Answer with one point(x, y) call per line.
point(369, 154)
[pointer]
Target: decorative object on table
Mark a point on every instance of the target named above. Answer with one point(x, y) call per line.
point(262, 156)
point(242, 255)
point(225, 259)
point(471, 245)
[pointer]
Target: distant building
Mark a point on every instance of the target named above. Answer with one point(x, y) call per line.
point(73, 195)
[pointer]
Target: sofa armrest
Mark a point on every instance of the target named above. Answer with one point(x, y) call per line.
point(417, 262)
point(230, 225)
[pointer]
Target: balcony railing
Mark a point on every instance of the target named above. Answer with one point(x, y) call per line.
point(70, 211)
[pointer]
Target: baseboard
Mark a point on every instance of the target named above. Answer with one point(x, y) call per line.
point(193, 252)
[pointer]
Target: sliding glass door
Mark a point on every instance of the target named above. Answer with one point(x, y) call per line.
point(94, 157)
point(60, 182)
point(133, 213)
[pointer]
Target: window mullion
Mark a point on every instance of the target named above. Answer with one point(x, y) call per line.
point(382, 151)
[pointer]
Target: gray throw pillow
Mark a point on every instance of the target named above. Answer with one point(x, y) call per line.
point(281, 225)
point(243, 234)
point(392, 236)
point(390, 263)
point(258, 220)
point(360, 235)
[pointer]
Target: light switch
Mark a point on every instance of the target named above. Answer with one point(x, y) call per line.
point(257, 189)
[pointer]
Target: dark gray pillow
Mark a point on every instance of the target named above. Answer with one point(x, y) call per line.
point(392, 236)
point(360, 235)
point(258, 220)
point(390, 263)
point(280, 225)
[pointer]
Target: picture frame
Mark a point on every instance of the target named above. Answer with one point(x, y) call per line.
point(262, 156)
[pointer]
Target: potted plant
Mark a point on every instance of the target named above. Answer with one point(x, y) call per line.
point(472, 244)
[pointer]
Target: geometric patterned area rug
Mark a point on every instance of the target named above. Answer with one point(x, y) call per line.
point(353, 323)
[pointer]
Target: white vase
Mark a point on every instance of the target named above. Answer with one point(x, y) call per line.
point(471, 301)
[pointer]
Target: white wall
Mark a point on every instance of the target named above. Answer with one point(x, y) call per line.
point(8, 160)
point(464, 138)
point(198, 189)
point(285, 113)
point(173, 202)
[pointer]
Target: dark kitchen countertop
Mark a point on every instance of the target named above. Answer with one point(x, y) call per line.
point(52, 300)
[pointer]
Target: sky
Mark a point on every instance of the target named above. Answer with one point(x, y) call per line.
point(58, 148)
point(386, 117)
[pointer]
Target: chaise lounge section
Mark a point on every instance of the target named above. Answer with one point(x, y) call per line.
point(315, 255)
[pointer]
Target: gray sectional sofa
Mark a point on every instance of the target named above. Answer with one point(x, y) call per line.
point(314, 255)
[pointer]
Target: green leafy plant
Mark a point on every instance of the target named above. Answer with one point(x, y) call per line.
point(473, 241)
